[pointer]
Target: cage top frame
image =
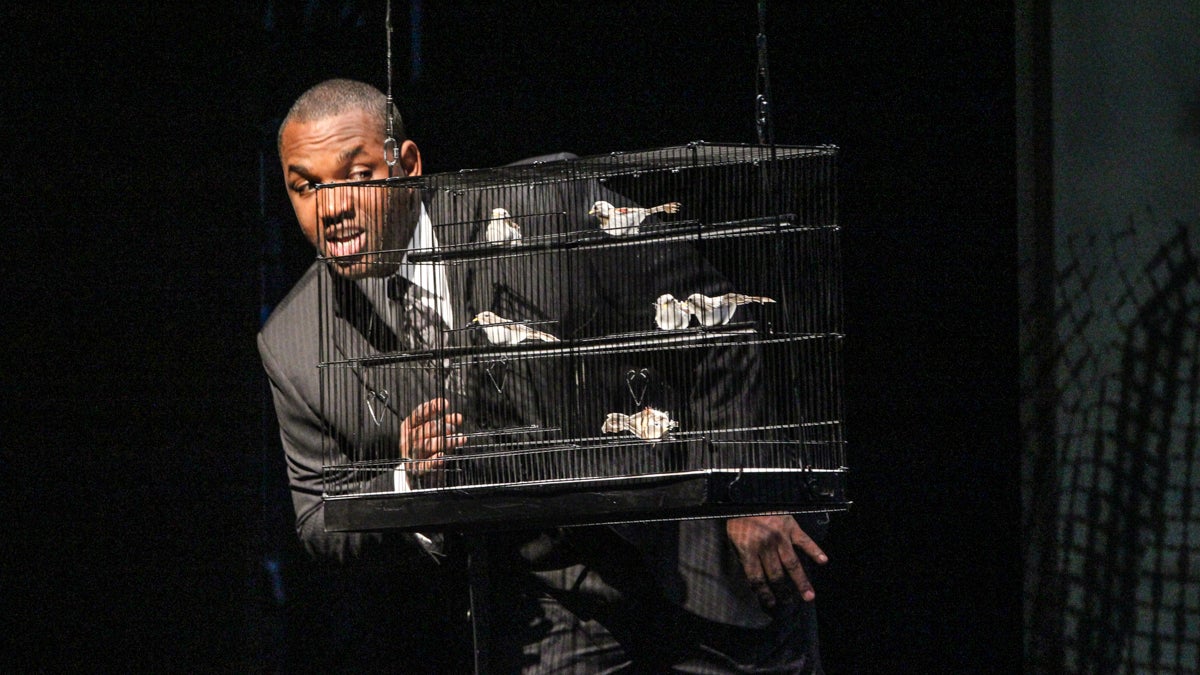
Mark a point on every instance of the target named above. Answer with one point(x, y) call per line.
point(694, 155)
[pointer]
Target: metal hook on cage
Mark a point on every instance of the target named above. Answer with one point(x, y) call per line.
point(499, 386)
point(382, 395)
point(733, 487)
point(634, 376)
point(390, 151)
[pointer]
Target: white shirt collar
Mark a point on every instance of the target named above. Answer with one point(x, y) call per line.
point(430, 277)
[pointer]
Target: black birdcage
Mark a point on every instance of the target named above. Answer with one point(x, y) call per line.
point(635, 336)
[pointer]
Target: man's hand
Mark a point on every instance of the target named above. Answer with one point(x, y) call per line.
point(767, 548)
point(428, 433)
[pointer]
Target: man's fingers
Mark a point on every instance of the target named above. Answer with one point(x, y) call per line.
point(421, 415)
point(795, 567)
point(434, 436)
point(761, 588)
point(434, 461)
point(799, 578)
point(770, 550)
point(431, 471)
point(440, 444)
point(426, 412)
point(802, 541)
point(772, 563)
point(440, 427)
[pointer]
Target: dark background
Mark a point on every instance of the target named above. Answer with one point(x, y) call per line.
point(145, 494)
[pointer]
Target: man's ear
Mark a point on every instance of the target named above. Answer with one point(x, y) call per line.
point(410, 159)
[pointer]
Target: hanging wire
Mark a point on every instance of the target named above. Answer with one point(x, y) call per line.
point(762, 102)
point(390, 153)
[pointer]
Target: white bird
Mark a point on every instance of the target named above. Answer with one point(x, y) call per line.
point(501, 331)
point(670, 313)
point(648, 425)
point(502, 227)
point(626, 219)
point(719, 310)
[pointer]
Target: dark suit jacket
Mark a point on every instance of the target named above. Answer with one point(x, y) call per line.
point(588, 294)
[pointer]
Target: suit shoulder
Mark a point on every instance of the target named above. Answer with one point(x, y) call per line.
point(297, 309)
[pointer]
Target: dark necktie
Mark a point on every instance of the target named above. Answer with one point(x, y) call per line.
point(420, 326)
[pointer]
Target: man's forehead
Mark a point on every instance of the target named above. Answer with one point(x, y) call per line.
point(341, 137)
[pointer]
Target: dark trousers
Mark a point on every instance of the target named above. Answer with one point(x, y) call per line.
point(609, 616)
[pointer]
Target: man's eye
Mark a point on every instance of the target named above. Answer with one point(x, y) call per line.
point(302, 188)
point(360, 174)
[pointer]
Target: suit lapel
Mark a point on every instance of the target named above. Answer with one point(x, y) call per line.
point(358, 329)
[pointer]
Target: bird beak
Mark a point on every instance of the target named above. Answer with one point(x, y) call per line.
point(592, 211)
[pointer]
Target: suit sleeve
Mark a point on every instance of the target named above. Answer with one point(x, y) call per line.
point(302, 434)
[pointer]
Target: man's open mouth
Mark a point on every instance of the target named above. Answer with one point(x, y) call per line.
point(344, 241)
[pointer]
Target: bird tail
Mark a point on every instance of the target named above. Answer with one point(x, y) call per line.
point(747, 299)
point(615, 423)
point(669, 207)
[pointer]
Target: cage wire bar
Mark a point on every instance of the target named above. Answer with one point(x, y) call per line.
point(634, 336)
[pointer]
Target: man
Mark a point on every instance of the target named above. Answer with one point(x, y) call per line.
point(647, 597)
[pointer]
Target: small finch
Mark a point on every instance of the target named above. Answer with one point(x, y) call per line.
point(670, 313)
point(501, 331)
point(648, 425)
point(719, 310)
point(626, 220)
point(502, 227)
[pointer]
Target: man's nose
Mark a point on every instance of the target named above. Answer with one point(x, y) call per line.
point(336, 204)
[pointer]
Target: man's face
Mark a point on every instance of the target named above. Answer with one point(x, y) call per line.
point(343, 222)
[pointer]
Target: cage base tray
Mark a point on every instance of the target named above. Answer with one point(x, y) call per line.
point(709, 494)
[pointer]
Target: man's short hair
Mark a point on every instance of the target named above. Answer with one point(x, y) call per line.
point(334, 97)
